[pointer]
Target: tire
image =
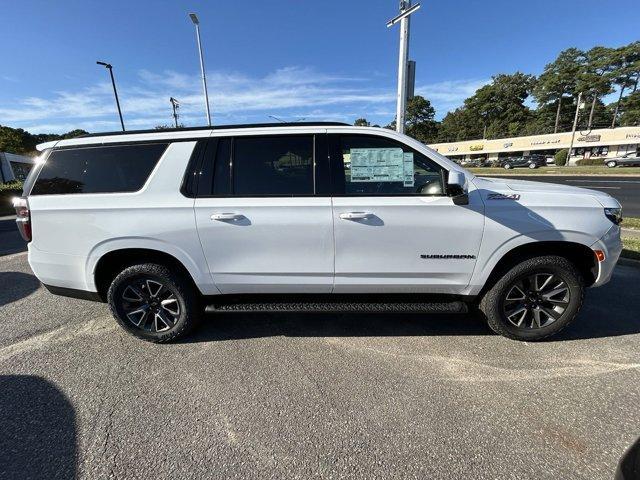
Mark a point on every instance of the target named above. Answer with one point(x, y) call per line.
point(612, 164)
point(563, 306)
point(532, 166)
point(507, 166)
point(154, 303)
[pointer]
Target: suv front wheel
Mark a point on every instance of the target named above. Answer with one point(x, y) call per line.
point(535, 299)
point(154, 303)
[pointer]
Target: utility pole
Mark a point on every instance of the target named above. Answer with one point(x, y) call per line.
point(109, 67)
point(573, 131)
point(403, 54)
point(175, 104)
point(196, 22)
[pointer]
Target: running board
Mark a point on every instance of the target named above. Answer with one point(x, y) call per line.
point(335, 307)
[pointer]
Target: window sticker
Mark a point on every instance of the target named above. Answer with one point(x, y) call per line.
point(407, 167)
point(379, 165)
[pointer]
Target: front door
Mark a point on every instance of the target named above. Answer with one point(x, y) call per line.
point(395, 228)
point(263, 224)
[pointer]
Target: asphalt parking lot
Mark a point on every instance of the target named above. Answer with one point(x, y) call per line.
point(313, 396)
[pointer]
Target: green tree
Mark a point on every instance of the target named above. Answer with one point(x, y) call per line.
point(630, 106)
point(496, 109)
point(559, 80)
point(361, 122)
point(19, 141)
point(595, 80)
point(626, 72)
point(420, 120)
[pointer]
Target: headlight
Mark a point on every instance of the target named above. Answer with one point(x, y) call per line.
point(614, 214)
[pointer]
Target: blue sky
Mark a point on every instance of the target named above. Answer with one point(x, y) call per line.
point(322, 59)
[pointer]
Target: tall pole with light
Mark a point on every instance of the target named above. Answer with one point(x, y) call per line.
point(109, 67)
point(196, 22)
point(401, 103)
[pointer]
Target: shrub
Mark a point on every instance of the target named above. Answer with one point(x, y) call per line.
point(590, 161)
point(560, 157)
point(7, 192)
point(14, 186)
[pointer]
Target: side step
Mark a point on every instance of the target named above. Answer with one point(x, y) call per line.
point(338, 306)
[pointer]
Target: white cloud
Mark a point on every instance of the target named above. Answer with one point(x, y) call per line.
point(289, 93)
point(448, 95)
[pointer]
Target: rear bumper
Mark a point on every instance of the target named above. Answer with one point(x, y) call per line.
point(611, 245)
point(58, 269)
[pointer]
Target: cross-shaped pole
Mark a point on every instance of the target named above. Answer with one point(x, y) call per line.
point(405, 11)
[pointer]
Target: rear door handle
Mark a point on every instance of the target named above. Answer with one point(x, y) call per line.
point(226, 216)
point(355, 215)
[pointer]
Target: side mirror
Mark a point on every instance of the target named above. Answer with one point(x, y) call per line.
point(457, 187)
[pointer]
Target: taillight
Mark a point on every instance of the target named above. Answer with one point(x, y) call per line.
point(23, 217)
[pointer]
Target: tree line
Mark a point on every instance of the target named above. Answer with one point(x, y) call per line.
point(500, 109)
point(21, 142)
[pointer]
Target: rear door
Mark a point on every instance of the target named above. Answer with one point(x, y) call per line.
point(263, 213)
point(396, 230)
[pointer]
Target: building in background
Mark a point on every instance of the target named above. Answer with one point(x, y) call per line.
point(14, 167)
point(601, 143)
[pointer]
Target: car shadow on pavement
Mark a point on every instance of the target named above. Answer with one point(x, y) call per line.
point(234, 326)
point(37, 429)
point(16, 285)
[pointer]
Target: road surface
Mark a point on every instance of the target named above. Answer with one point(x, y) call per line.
point(313, 396)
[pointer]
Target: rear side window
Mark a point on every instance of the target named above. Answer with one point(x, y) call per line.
point(104, 169)
point(274, 165)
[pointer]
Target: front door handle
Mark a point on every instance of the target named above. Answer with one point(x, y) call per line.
point(226, 216)
point(355, 215)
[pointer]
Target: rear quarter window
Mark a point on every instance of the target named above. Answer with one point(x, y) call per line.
point(103, 169)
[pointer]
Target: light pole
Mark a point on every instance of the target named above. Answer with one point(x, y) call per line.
point(196, 22)
point(175, 104)
point(401, 102)
point(573, 131)
point(109, 67)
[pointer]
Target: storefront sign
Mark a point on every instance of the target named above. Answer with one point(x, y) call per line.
point(545, 142)
point(589, 138)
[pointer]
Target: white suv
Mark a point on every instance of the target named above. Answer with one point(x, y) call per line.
point(164, 225)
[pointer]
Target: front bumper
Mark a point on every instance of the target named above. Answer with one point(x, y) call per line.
point(611, 245)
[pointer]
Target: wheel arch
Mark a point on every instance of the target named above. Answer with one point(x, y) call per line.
point(113, 262)
point(577, 253)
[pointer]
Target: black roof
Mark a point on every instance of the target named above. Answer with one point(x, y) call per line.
point(221, 127)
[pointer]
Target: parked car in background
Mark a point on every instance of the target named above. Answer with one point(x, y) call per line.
point(475, 162)
point(627, 160)
point(527, 161)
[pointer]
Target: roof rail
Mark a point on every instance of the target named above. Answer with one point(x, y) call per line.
point(220, 127)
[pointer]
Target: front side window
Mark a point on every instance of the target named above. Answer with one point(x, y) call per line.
point(103, 169)
point(274, 165)
point(369, 165)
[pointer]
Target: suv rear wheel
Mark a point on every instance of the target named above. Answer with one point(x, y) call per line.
point(535, 299)
point(612, 164)
point(153, 303)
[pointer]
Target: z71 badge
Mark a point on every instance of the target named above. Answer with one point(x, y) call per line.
point(503, 196)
